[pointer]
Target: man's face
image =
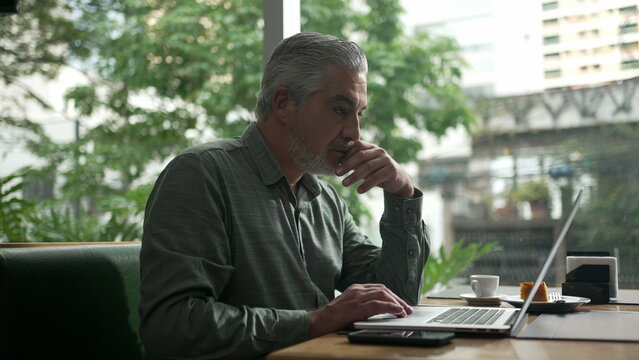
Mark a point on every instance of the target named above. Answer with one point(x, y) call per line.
point(328, 123)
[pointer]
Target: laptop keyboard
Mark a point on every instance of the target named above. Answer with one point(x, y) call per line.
point(465, 316)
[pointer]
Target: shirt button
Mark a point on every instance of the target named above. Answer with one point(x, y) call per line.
point(410, 211)
point(397, 208)
point(411, 252)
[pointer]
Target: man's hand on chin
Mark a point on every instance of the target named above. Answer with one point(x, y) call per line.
point(372, 164)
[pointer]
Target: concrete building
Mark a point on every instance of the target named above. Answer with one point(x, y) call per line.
point(499, 39)
point(545, 78)
point(521, 47)
point(589, 42)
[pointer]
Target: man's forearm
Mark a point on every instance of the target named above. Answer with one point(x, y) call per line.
point(406, 247)
point(197, 327)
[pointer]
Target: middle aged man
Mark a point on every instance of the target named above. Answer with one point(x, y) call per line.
point(244, 246)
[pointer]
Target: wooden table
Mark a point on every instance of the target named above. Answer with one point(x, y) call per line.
point(334, 346)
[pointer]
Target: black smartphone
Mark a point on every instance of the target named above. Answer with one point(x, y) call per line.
point(401, 337)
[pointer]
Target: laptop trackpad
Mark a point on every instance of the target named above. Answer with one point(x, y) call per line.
point(421, 312)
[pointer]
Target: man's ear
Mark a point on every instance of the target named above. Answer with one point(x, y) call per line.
point(283, 104)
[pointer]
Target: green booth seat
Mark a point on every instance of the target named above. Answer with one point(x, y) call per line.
point(70, 301)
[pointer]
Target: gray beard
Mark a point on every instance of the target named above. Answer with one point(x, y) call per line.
point(304, 157)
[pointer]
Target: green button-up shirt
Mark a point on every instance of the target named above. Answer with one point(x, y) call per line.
point(232, 259)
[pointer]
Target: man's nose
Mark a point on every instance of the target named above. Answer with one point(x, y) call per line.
point(351, 129)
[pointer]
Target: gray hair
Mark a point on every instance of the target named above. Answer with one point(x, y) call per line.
point(299, 63)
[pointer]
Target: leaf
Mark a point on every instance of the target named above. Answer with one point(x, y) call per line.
point(84, 99)
point(443, 268)
point(13, 208)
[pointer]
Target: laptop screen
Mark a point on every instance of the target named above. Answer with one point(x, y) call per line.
point(517, 325)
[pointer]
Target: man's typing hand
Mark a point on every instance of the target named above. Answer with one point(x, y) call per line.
point(358, 302)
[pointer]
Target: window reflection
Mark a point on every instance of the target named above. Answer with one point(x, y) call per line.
point(547, 127)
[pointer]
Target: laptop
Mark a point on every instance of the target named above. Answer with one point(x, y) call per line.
point(471, 319)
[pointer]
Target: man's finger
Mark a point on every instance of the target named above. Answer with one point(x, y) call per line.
point(364, 171)
point(353, 157)
point(382, 293)
point(396, 297)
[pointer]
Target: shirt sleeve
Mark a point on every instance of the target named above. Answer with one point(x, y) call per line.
point(405, 248)
point(185, 264)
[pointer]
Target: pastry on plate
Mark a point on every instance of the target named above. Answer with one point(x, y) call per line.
point(526, 287)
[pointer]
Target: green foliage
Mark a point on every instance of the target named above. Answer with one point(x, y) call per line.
point(443, 268)
point(160, 75)
point(412, 80)
point(608, 219)
point(13, 209)
point(84, 98)
point(60, 224)
point(37, 41)
point(530, 191)
point(114, 218)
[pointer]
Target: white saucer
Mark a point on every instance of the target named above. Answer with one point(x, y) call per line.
point(472, 299)
point(567, 303)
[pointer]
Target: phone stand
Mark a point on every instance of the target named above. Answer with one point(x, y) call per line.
point(594, 277)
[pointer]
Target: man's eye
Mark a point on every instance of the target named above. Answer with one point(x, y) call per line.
point(340, 111)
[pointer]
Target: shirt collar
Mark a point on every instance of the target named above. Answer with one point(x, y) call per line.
point(266, 164)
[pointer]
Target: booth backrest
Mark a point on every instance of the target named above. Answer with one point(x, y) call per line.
point(70, 302)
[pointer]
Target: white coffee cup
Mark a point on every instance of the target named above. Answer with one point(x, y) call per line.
point(484, 285)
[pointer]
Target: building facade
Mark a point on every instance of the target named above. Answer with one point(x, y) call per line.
point(565, 116)
point(499, 39)
point(589, 42)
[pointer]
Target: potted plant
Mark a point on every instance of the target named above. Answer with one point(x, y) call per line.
point(536, 194)
point(508, 211)
point(442, 268)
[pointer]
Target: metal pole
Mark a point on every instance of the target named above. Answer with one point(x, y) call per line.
point(281, 20)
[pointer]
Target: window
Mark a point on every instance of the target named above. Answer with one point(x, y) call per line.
point(630, 45)
point(628, 10)
point(553, 39)
point(630, 64)
point(628, 28)
point(555, 73)
point(564, 142)
point(553, 21)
